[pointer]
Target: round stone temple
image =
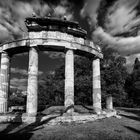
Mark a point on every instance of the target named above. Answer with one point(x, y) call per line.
point(50, 34)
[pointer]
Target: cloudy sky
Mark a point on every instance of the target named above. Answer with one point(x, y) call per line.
point(113, 23)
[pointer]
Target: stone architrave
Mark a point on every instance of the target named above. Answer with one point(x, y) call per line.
point(32, 88)
point(109, 103)
point(69, 81)
point(4, 82)
point(96, 86)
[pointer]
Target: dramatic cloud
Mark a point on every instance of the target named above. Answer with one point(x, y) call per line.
point(12, 15)
point(115, 25)
point(14, 12)
point(90, 11)
point(22, 71)
point(125, 46)
point(21, 83)
point(64, 8)
point(122, 16)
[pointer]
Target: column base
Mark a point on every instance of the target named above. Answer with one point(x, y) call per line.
point(3, 106)
point(29, 118)
point(69, 109)
point(97, 111)
point(109, 103)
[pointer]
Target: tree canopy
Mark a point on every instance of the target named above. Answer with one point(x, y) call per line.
point(113, 80)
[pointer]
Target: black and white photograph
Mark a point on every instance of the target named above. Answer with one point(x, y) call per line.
point(69, 69)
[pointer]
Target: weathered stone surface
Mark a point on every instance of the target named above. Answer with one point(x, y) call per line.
point(28, 118)
point(4, 82)
point(56, 37)
point(109, 103)
point(35, 42)
point(35, 35)
point(57, 119)
point(79, 40)
point(96, 86)
point(32, 88)
point(69, 81)
point(78, 118)
point(51, 34)
point(92, 45)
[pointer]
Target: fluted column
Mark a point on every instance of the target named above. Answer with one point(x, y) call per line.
point(4, 82)
point(109, 103)
point(69, 81)
point(32, 88)
point(96, 86)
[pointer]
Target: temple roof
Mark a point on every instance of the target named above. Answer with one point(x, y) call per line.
point(52, 21)
point(55, 24)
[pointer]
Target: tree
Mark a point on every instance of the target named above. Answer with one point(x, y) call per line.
point(132, 84)
point(113, 76)
point(16, 98)
point(83, 80)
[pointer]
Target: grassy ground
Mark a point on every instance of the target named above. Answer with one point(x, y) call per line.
point(126, 128)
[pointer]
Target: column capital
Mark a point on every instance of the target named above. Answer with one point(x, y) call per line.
point(8, 55)
point(35, 47)
point(95, 58)
point(5, 52)
point(68, 49)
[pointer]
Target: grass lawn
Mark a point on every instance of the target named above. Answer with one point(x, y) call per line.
point(126, 128)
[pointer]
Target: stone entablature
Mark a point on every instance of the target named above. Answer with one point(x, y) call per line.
point(58, 39)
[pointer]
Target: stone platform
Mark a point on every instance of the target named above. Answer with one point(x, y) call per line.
point(54, 119)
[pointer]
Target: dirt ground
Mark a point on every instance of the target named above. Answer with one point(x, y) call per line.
point(126, 128)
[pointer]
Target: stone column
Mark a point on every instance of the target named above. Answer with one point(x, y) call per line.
point(69, 81)
point(4, 82)
point(96, 86)
point(32, 88)
point(109, 103)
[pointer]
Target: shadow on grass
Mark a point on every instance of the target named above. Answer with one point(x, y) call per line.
point(131, 110)
point(23, 131)
point(87, 109)
point(133, 129)
point(131, 117)
point(134, 111)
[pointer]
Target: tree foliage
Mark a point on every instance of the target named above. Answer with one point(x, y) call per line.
point(132, 84)
point(113, 77)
